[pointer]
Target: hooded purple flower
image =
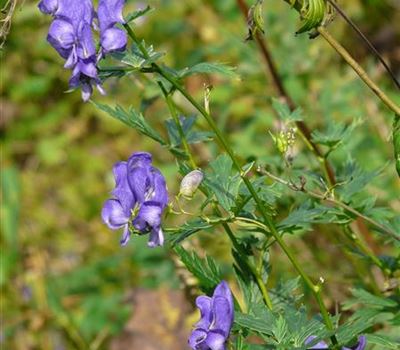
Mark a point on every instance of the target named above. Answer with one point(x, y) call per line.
point(361, 344)
point(139, 199)
point(71, 35)
point(217, 312)
point(109, 14)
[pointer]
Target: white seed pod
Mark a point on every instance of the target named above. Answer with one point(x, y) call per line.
point(190, 183)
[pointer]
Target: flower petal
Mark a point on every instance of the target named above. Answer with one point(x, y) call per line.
point(156, 238)
point(109, 13)
point(61, 36)
point(113, 39)
point(197, 339)
point(126, 235)
point(319, 345)
point(222, 315)
point(86, 47)
point(149, 216)
point(204, 304)
point(113, 214)
point(122, 191)
point(160, 193)
point(215, 340)
point(48, 6)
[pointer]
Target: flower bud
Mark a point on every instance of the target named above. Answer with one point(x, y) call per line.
point(190, 183)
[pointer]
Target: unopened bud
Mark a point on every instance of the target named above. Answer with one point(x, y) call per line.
point(255, 20)
point(190, 183)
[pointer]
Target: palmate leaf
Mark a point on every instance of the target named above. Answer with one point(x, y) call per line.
point(220, 181)
point(205, 270)
point(133, 119)
point(355, 179)
point(257, 324)
point(335, 134)
point(303, 217)
point(209, 68)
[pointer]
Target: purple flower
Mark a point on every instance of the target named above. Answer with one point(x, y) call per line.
point(109, 14)
point(217, 312)
point(139, 199)
point(71, 35)
point(361, 344)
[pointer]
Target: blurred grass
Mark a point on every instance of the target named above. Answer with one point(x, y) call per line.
point(63, 275)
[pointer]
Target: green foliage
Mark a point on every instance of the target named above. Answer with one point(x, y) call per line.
point(133, 119)
point(209, 68)
point(205, 270)
point(220, 180)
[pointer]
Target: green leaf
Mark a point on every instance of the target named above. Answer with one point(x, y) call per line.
point(303, 217)
point(262, 325)
point(361, 296)
point(187, 229)
point(209, 68)
point(222, 183)
point(280, 329)
point(382, 340)
point(355, 179)
point(135, 58)
point(137, 14)
point(284, 111)
point(133, 119)
point(205, 270)
point(334, 135)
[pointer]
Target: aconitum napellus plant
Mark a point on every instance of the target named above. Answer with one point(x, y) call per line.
point(71, 35)
point(138, 199)
point(240, 201)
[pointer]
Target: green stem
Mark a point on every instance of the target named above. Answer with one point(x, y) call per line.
point(316, 290)
point(175, 117)
point(359, 70)
point(225, 225)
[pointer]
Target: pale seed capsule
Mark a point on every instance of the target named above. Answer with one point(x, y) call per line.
point(190, 183)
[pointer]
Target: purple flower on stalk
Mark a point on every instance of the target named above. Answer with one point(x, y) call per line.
point(217, 312)
point(109, 14)
point(71, 35)
point(361, 344)
point(139, 199)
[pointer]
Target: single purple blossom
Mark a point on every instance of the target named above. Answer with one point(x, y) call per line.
point(109, 14)
point(361, 344)
point(139, 199)
point(217, 312)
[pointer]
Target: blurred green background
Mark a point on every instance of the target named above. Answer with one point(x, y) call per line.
point(65, 281)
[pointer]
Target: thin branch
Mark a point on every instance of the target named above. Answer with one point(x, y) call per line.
point(366, 41)
point(335, 202)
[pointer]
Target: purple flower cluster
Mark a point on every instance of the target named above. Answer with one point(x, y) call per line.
point(217, 312)
point(361, 344)
point(71, 34)
point(139, 199)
